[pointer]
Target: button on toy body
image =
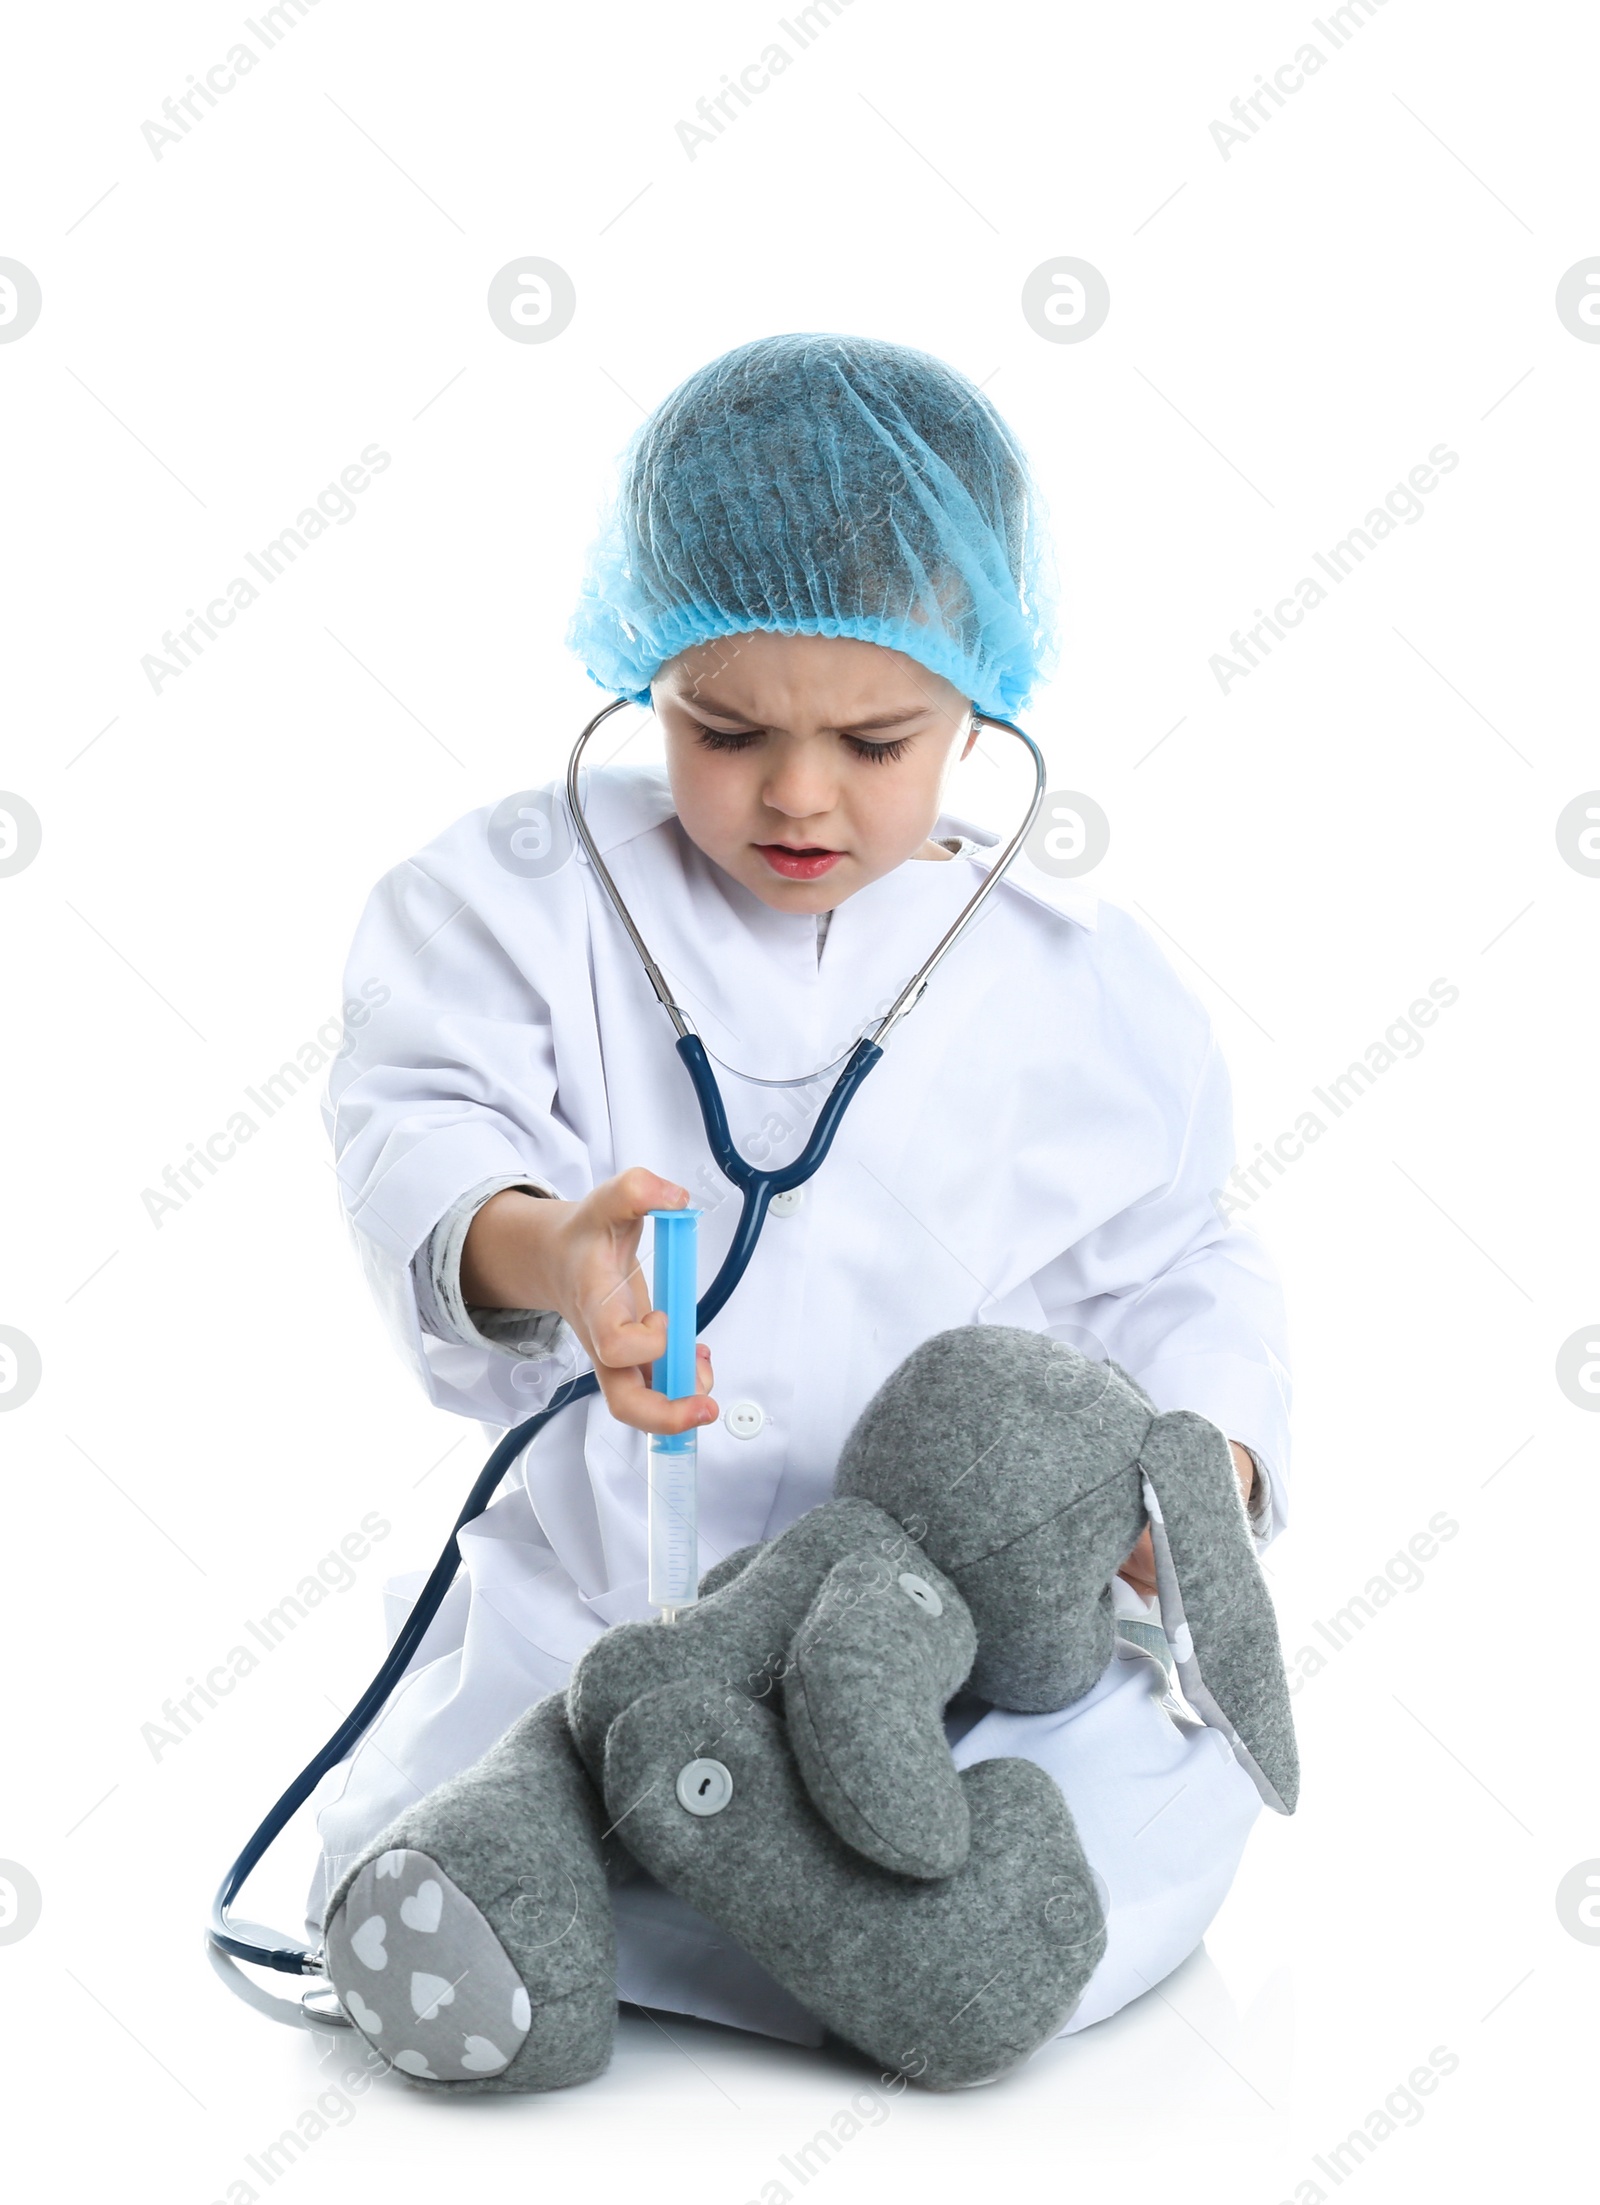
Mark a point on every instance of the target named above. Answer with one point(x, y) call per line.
point(918, 1589)
point(704, 1787)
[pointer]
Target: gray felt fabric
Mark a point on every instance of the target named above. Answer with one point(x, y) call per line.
point(518, 1836)
point(1013, 1459)
point(1021, 1468)
point(885, 1644)
point(949, 1981)
point(738, 1637)
point(720, 1573)
point(1215, 1609)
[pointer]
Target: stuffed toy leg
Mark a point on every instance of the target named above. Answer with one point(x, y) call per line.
point(473, 1942)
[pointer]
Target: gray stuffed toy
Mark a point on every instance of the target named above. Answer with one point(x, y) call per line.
point(777, 1757)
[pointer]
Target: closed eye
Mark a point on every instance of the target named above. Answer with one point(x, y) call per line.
point(717, 738)
point(740, 738)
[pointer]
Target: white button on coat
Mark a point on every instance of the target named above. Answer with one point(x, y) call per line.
point(785, 1205)
point(744, 1418)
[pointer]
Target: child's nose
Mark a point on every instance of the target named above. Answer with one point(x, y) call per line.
point(800, 783)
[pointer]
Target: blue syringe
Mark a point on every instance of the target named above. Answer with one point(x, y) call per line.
point(674, 1545)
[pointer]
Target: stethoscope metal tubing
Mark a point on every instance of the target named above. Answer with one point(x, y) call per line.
point(911, 994)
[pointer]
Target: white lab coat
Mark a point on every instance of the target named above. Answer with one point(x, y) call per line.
point(1039, 1146)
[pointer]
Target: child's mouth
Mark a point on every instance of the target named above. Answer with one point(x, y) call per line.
point(806, 864)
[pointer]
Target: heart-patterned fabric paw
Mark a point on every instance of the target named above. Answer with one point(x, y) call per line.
point(473, 1942)
point(422, 1975)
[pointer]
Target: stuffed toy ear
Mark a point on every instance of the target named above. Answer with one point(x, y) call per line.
point(885, 1644)
point(1215, 1609)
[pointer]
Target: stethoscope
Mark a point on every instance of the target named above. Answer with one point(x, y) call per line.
point(245, 1940)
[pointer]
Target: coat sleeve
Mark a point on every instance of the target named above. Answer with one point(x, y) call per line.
point(448, 1083)
point(1196, 1313)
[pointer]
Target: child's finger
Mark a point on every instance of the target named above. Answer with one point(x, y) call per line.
point(633, 1193)
point(632, 1400)
point(620, 1342)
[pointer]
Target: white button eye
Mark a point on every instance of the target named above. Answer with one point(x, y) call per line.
point(704, 1787)
point(918, 1589)
point(744, 1418)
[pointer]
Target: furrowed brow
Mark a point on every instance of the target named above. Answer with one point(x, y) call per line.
point(885, 719)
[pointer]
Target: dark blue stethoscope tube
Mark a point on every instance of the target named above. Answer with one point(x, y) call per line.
point(758, 1188)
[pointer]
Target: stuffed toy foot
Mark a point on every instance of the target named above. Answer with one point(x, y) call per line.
point(948, 1980)
point(473, 1943)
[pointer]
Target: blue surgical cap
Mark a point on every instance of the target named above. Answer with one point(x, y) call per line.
point(824, 485)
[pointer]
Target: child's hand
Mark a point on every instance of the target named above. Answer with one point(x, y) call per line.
point(1139, 1569)
point(582, 1258)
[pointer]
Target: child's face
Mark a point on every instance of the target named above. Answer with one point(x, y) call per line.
point(807, 766)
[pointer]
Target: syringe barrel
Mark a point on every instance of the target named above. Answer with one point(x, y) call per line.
point(673, 1541)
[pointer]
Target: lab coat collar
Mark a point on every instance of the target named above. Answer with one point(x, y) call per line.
point(623, 802)
point(1068, 899)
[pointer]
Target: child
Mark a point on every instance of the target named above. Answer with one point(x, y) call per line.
point(824, 555)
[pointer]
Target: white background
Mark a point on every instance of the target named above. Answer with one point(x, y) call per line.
point(1291, 330)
